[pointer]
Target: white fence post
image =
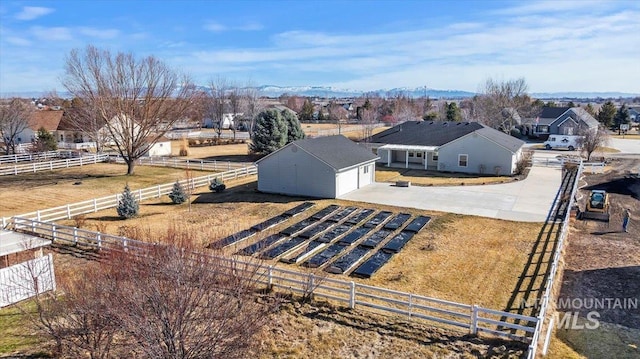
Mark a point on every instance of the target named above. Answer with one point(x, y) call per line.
point(99, 239)
point(270, 277)
point(53, 232)
point(159, 195)
point(75, 236)
point(352, 295)
point(310, 284)
point(95, 205)
point(473, 330)
point(68, 212)
point(38, 215)
point(140, 194)
point(410, 304)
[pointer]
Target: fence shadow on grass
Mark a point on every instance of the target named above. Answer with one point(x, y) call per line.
point(244, 193)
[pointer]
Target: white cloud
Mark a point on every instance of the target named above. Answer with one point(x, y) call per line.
point(33, 12)
point(18, 41)
point(99, 33)
point(51, 33)
point(215, 26)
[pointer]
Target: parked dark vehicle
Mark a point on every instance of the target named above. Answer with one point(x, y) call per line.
point(217, 185)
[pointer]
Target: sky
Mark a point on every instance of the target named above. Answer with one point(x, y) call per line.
point(557, 46)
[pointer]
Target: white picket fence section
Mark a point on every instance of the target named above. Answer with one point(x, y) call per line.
point(94, 205)
point(473, 318)
point(51, 165)
point(24, 280)
point(544, 303)
point(202, 165)
point(24, 157)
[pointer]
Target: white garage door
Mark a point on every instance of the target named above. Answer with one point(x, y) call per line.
point(347, 181)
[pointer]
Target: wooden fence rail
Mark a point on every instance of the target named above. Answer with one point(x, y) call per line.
point(473, 318)
point(24, 157)
point(94, 205)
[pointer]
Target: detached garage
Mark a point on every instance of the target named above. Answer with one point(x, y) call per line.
point(324, 167)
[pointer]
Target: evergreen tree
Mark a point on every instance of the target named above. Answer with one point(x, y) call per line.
point(270, 132)
point(306, 114)
point(294, 130)
point(589, 108)
point(622, 117)
point(453, 112)
point(46, 141)
point(571, 104)
point(178, 195)
point(431, 116)
point(606, 114)
point(128, 205)
point(551, 104)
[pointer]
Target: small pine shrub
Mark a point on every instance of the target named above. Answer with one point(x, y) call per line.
point(128, 205)
point(177, 194)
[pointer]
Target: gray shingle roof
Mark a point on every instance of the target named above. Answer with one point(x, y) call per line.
point(425, 133)
point(338, 151)
point(511, 143)
point(585, 116)
point(552, 112)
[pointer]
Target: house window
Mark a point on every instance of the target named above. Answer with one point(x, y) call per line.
point(366, 169)
point(419, 154)
point(410, 154)
point(435, 156)
point(462, 160)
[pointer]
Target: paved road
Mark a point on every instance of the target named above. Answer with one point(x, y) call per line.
point(524, 201)
point(625, 145)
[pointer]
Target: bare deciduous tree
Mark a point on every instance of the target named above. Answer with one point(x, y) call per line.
point(252, 106)
point(216, 103)
point(500, 103)
point(138, 99)
point(85, 120)
point(235, 104)
point(165, 301)
point(14, 118)
point(591, 139)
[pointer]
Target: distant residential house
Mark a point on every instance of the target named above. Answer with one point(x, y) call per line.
point(228, 121)
point(161, 148)
point(562, 121)
point(323, 167)
point(634, 114)
point(47, 119)
point(468, 147)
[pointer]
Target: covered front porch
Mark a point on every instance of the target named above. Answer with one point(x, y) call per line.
point(409, 156)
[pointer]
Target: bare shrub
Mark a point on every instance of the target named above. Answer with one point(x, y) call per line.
point(165, 301)
point(80, 220)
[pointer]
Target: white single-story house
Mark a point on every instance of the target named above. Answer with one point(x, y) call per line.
point(323, 167)
point(468, 147)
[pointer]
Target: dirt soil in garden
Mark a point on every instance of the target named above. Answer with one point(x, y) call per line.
point(603, 262)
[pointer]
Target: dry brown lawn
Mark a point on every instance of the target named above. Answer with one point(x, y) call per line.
point(466, 259)
point(435, 178)
point(33, 191)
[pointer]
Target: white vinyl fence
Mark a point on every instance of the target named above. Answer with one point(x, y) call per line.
point(202, 165)
point(23, 281)
point(94, 205)
point(27, 157)
point(51, 165)
point(473, 318)
point(544, 304)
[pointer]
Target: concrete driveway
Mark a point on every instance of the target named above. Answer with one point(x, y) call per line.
point(524, 201)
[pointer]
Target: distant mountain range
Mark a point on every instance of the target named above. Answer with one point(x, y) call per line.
point(331, 92)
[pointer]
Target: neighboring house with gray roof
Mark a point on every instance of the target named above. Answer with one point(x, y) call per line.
point(323, 167)
point(562, 121)
point(468, 147)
